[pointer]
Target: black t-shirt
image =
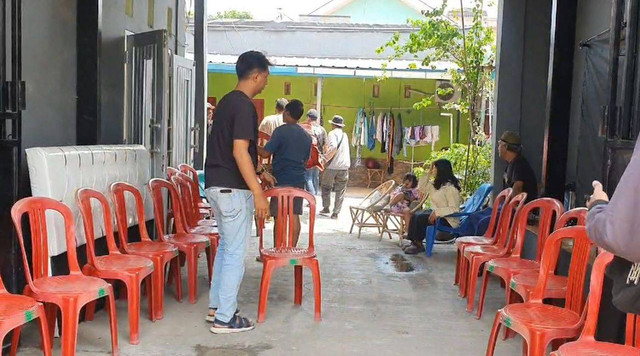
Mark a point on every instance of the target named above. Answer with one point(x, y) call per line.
point(520, 170)
point(235, 118)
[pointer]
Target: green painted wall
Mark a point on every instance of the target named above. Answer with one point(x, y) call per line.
point(378, 11)
point(343, 96)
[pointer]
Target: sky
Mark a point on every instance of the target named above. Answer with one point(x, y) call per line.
point(268, 9)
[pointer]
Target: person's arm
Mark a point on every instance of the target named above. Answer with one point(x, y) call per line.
point(332, 146)
point(615, 226)
point(271, 147)
point(245, 165)
point(518, 187)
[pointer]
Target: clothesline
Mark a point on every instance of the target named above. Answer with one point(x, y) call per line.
point(376, 108)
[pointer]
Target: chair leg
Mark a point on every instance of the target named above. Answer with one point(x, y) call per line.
point(44, 332)
point(464, 273)
point(175, 264)
point(51, 310)
point(472, 281)
point(297, 272)
point(133, 305)
point(90, 311)
point(148, 287)
point(456, 278)
point(192, 273)
point(493, 337)
point(267, 270)
point(317, 289)
point(157, 292)
point(15, 339)
point(70, 313)
point(483, 292)
point(536, 345)
point(113, 321)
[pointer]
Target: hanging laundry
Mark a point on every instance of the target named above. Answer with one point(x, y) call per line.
point(408, 137)
point(383, 141)
point(364, 132)
point(397, 135)
point(416, 134)
point(371, 137)
point(435, 136)
point(379, 127)
point(390, 144)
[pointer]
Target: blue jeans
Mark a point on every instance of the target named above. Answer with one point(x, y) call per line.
point(234, 210)
point(312, 177)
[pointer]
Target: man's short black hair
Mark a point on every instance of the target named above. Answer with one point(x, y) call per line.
point(295, 108)
point(250, 61)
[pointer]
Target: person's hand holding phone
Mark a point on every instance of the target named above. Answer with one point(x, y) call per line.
point(598, 194)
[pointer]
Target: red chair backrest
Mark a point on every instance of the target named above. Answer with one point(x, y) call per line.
point(190, 211)
point(574, 299)
point(119, 191)
point(577, 215)
point(595, 296)
point(501, 200)
point(284, 231)
point(509, 212)
point(84, 197)
point(549, 210)
point(632, 337)
point(36, 208)
point(157, 186)
point(192, 174)
point(172, 172)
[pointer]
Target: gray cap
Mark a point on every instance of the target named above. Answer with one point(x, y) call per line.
point(281, 103)
point(313, 114)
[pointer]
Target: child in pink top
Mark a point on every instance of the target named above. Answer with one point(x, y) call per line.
point(402, 197)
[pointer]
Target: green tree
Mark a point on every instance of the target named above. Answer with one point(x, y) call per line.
point(471, 47)
point(233, 14)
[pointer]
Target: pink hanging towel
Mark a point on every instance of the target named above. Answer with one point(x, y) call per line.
point(427, 135)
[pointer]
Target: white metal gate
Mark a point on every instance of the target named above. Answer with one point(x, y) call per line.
point(183, 128)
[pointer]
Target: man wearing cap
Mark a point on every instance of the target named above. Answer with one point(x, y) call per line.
point(210, 109)
point(272, 122)
point(519, 175)
point(319, 138)
point(336, 175)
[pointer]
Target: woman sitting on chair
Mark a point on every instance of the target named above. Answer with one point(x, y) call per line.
point(444, 195)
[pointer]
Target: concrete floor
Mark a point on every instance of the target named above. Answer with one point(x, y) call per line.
point(368, 308)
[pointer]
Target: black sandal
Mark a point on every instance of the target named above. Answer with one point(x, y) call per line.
point(212, 317)
point(237, 324)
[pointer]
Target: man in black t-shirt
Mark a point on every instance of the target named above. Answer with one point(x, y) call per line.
point(233, 190)
point(519, 175)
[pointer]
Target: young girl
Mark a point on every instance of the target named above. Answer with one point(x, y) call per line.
point(404, 194)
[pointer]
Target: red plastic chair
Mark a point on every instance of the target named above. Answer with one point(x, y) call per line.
point(633, 330)
point(285, 254)
point(129, 269)
point(195, 185)
point(204, 209)
point(489, 237)
point(539, 323)
point(549, 210)
point(586, 343)
point(524, 283)
point(17, 310)
point(190, 210)
point(476, 256)
point(68, 292)
point(161, 253)
point(503, 229)
point(190, 245)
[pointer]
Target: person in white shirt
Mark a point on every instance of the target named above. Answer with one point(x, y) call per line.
point(336, 175)
point(272, 122)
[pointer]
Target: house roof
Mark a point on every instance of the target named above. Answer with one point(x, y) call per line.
point(330, 7)
point(336, 67)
